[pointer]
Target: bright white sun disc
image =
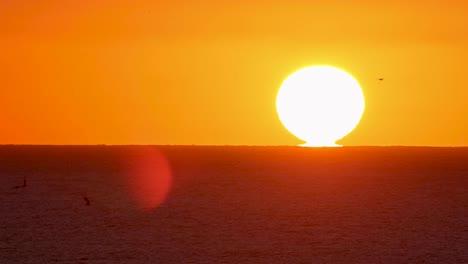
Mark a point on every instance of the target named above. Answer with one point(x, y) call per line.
point(320, 104)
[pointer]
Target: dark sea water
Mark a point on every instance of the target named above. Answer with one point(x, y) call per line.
point(188, 204)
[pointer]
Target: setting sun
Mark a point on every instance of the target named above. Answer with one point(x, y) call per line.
point(207, 131)
point(320, 104)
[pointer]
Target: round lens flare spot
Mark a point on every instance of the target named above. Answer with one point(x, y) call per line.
point(148, 177)
point(320, 105)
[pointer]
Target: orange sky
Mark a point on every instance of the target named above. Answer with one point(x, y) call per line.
point(207, 72)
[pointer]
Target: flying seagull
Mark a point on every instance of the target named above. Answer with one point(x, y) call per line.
point(21, 186)
point(88, 202)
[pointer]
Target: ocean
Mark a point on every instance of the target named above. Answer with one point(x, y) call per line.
point(233, 204)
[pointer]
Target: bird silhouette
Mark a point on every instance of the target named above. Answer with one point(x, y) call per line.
point(380, 79)
point(88, 202)
point(21, 186)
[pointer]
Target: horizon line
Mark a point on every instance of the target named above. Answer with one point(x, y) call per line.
point(225, 145)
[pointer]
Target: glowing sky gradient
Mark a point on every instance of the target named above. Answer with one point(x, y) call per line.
point(207, 72)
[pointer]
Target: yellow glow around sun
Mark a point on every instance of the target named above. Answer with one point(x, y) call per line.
point(320, 104)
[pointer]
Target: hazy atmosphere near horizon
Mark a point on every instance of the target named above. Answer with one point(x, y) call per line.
point(208, 72)
point(211, 132)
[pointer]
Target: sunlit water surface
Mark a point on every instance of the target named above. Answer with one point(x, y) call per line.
point(235, 205)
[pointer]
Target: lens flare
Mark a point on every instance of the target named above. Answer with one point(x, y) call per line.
point(148, 177)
